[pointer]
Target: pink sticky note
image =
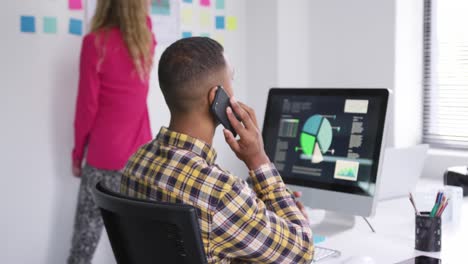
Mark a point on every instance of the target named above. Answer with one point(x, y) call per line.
point(205, 2)
point(75, 4)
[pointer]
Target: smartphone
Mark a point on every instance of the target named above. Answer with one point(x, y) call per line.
point(218, 108)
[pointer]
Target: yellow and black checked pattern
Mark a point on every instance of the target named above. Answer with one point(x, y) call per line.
point(238, 224)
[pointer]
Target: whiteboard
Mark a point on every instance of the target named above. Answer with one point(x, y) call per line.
point(90, 9)
point(165, 27)
point(43, 103)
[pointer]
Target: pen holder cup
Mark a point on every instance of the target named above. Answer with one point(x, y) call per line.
point(428, 233)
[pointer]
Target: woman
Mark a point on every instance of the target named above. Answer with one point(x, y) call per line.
point(111, 119)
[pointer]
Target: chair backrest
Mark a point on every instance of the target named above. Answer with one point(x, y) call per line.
point(144, 231)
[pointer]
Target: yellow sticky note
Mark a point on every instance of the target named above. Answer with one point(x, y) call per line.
point(205, 19)
point(231, 23)
point(220, 38)
point(187, 16)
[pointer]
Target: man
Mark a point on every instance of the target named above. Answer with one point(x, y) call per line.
point(238, 224)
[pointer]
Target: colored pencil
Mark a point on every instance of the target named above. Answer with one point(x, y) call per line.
point(442, 204)
point(443, 208)
point(414, 204)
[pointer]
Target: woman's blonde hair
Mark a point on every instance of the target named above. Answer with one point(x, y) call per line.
point(130, 16)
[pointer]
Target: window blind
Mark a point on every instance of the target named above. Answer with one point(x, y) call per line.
point(446, 73)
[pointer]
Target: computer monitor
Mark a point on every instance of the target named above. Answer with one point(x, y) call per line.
point(328, 144)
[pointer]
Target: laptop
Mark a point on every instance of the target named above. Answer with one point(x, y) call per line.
point(402, 168)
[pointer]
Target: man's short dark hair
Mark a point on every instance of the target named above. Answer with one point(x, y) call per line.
point(187, 69)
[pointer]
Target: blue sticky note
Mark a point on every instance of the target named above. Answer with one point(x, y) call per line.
point(186, 34)
point(318, 239)
point(220, 22)
point(76, 27)
point(50, 25)
point(206, 35)
point(160, 7)
point(188, 1)
point(28, 24)
point(219, 4)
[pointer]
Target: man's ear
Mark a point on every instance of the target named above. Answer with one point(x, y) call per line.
point(211, 94)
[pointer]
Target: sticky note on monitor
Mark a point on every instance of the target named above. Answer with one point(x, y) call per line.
point(75, 27)
point(355, 106)
point(231, 23)
point(220, 22)
point(28, 24)
point(50, 25)
point(188, 1)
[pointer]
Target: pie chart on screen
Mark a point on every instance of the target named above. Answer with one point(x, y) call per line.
point(316, 137)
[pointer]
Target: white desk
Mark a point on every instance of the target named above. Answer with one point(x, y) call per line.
point(394, 238)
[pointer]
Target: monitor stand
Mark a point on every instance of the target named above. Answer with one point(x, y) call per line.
point(328, 223)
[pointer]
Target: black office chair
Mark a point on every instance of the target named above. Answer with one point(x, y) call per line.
point(144, 231)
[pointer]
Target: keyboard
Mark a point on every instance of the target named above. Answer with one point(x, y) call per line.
point(321, 253)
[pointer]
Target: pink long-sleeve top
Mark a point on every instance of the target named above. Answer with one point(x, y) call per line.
point(111, 118)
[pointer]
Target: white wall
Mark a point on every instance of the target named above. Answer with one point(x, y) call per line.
point(408, 72)
point(262, 49)
point(318, 43)
point(235, 49)
point(38, 91)
point(37, 99)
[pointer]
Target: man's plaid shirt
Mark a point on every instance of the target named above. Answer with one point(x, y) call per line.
point(237, 224)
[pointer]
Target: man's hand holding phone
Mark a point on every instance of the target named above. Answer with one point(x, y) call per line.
point(249, 148)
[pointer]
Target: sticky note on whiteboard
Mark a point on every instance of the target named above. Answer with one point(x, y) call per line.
point(219, 38)
point(76, 27)
point(75, 4)
point(219, 4)
point(186, 34)
point(28, 24)
point(220, 22)
point(50, 25)
point(160, 7)
point(205, 2)
point(231, 23)
point(187, 16)
point(205, 19)
point(353, 106)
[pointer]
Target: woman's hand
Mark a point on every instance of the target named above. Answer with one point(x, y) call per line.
point(76, 168)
